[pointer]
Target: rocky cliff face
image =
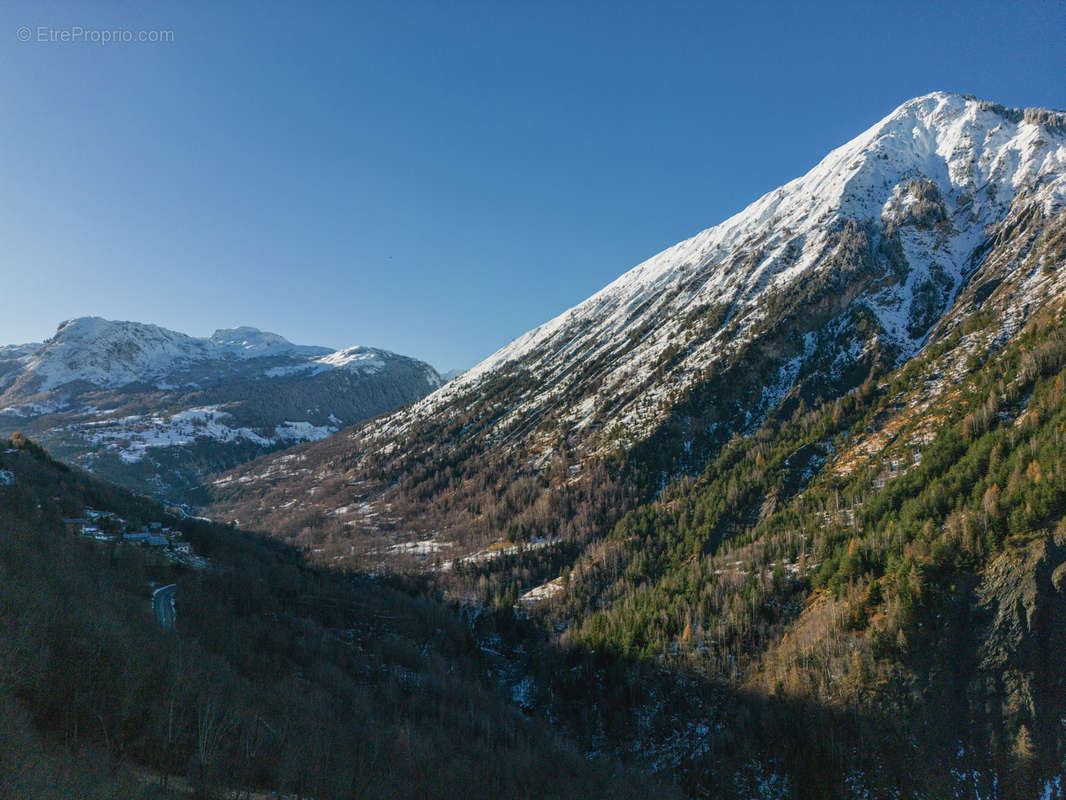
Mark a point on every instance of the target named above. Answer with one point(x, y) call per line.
point(1024, 646)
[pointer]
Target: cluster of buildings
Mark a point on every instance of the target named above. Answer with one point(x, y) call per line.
point(105, 526)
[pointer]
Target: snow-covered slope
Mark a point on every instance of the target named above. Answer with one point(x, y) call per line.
point(948, 205)
point(923, 187)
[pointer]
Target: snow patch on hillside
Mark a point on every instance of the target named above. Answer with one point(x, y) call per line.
point(545, 591)
point(290, 431)
point(30, 409)
point(131, 437)
point(362, 359)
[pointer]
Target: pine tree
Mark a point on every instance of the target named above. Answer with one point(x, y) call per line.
point(1024, 749)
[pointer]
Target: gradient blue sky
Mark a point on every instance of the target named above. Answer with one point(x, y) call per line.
point(435, 178)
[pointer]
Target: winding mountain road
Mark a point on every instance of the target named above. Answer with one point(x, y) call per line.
point(163, 604)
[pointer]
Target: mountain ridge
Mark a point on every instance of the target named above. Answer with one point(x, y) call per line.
point(793, 229)
point(113, 354)
point(793, 297)
point(647, 380)
point(155, 409)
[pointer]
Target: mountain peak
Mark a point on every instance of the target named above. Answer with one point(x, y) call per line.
point(930, 178)
point(942, 102)
point(250, 342)
point(229, 334)
point(80, 324)
point(91, 327)
point(935, 99)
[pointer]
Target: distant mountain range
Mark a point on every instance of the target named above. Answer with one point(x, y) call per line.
point(156, 410)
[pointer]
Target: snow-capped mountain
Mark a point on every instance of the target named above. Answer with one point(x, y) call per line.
point(854, 266)
point(914, 197)
point(106, 354)
point(155, 409)
point(775, 455)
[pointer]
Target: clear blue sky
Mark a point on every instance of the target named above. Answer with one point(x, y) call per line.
point(435, 178)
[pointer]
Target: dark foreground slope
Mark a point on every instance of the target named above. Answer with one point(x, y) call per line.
point(276, 677)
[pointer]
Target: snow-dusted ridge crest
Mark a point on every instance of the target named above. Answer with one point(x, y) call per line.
point(112, 354)
point(974, 159)
point(157, 410)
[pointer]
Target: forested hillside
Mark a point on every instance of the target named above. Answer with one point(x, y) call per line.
point(277, 677)
point(918, 578)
